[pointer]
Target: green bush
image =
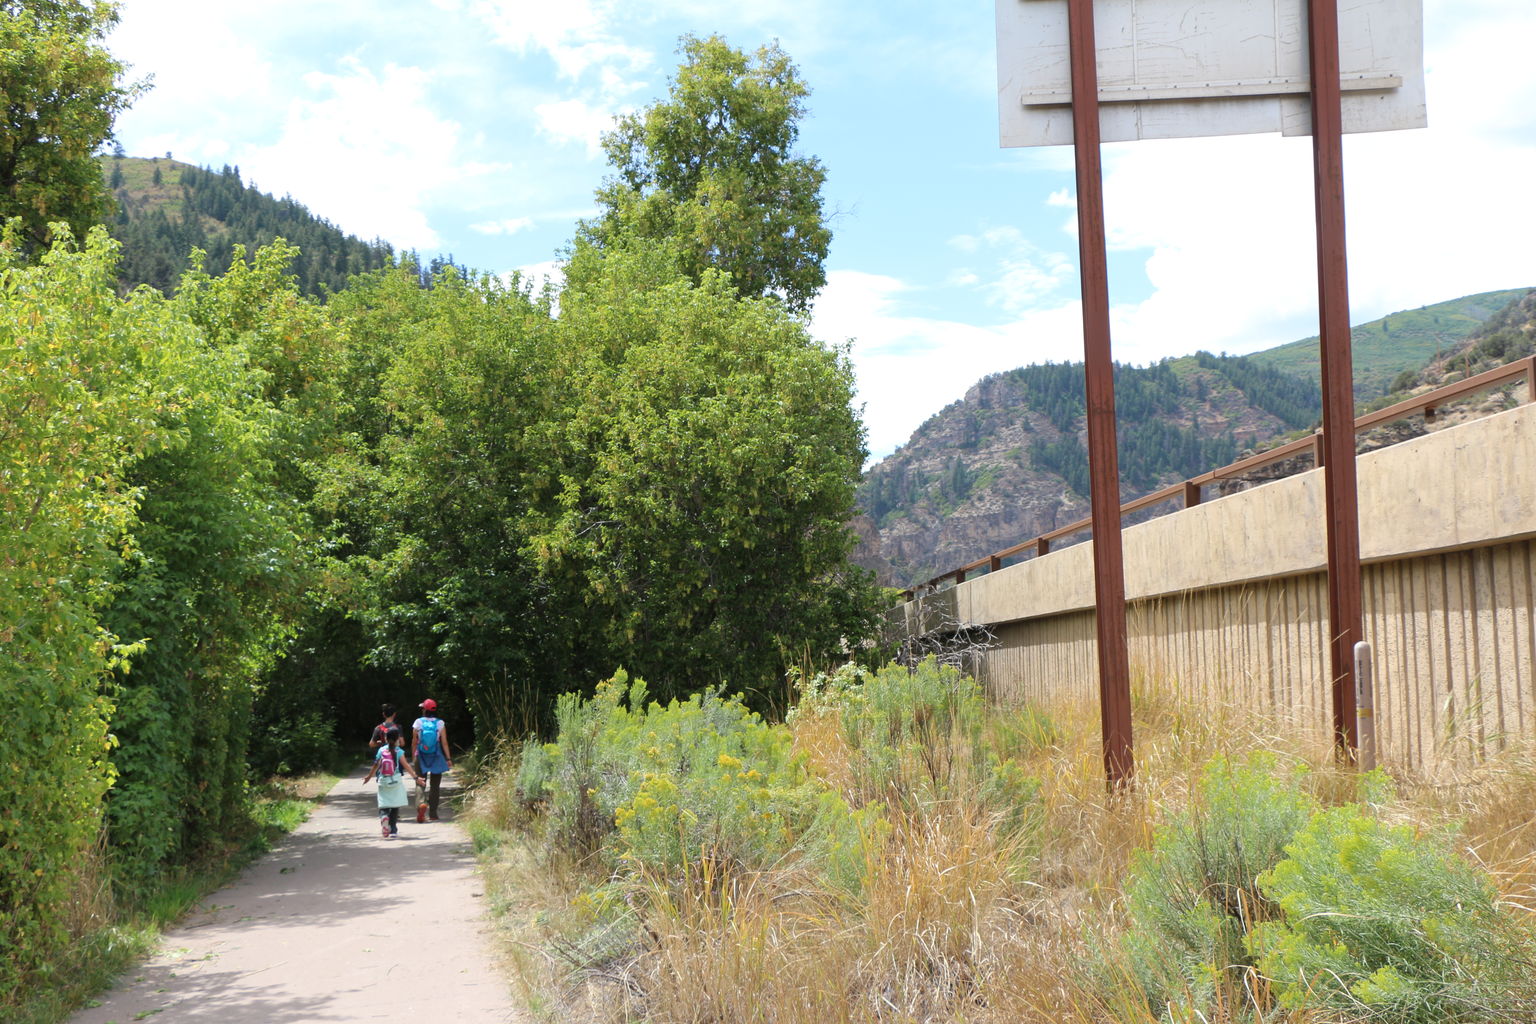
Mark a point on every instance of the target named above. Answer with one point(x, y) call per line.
point(924, 734)
point(68, 431)
point(1383, 923)
point(300, 741)
point(656, 789)
point(916, 733)
point(1194, 895)
point(219, 559)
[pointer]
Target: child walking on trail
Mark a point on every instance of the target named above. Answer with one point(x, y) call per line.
point(389, 767)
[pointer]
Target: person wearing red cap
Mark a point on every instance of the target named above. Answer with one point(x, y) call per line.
point(432, 755)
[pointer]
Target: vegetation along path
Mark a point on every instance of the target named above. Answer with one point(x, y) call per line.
point(334, 925)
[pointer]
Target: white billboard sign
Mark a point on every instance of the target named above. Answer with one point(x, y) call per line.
point(1179, 68)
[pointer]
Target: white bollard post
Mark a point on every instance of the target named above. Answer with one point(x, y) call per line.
point(1365, 706)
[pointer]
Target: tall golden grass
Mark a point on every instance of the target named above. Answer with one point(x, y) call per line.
point(956, 922)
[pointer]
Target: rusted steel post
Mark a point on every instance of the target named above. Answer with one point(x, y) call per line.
point(1042, 547)
point(959, 576)
point(1103, 459)
point(994, 564)
point(1530, 379)
point(1344, 600)
point(1191, 494)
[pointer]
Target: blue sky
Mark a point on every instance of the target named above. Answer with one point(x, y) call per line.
point(470, 127)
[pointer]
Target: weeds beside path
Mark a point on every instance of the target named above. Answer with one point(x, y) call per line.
point(336, 924)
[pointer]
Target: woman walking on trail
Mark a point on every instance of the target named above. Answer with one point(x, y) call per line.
point(433, 757)
point(390, 766)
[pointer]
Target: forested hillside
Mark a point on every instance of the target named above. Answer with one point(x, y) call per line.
point(1405, 341)
point(1507, 335)
point(1009, 461)
point(165, 209)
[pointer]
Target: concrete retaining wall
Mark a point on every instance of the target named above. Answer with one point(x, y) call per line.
point(1229, 599)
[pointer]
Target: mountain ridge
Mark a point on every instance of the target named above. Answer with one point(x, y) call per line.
point(166, 208)
point(1008, 460)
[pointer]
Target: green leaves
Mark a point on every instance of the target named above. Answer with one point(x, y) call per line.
point(710, 456)
point(660, 478)
point(1194, 895)
point(712, 170)
point(1259, 895)
point(1388, 922)
point(661, 789)
point(70, 429)
point(62, 90)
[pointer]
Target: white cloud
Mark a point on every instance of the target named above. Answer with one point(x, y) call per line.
point(209, 83)
point(507, 226)
point(365, 149)
point(908, 367)
point(575, 121)
point(576, 34)
point(1024, 274)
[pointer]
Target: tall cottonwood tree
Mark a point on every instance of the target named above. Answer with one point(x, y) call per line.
point(60, 91)
point(709, 454)
point(659, 478)
point(712, 169)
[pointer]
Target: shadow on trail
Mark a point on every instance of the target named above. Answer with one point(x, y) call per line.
point(213, 995)
point(332, 924)
point(345, 865)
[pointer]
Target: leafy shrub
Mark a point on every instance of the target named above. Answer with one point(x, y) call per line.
point(68, 431)
point(916, 733)
point(657, 788)
point(296, 742)
point(925, 733)
point(1194, 895)
point(1384, 923)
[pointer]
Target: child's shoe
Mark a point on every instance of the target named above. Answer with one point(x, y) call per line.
point(384, 828)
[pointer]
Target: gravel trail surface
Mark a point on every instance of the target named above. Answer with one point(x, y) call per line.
point(335, 925)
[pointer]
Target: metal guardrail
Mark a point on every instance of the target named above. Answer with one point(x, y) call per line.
point(1189, 491)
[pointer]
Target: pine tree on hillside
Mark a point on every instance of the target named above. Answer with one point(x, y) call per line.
point(216, 212)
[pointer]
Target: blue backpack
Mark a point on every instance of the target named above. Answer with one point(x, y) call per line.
point(428, 727)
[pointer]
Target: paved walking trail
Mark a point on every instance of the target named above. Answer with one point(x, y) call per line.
point(335, 925)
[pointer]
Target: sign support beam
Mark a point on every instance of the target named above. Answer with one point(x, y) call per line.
point(1103, 457)
point(1345, 611)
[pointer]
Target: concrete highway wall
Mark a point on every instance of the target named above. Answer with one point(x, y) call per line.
point(1229, 601)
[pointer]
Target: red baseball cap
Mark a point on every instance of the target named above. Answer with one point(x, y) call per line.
point(429, 704)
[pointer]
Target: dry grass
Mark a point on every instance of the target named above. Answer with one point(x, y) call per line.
point(1495, 802)
point(953, 924)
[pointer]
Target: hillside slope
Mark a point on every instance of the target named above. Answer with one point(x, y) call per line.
point(1008, 461)
point(1384, 349)
point(166, 208)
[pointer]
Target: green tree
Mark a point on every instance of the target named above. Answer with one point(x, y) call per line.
point(223, 548)
point(713, 169)
point(70, 429)
point(709, 465)
point(60, 91)
point(452, 386)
